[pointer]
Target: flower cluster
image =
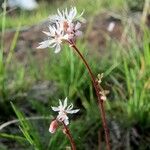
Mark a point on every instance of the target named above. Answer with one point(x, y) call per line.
point(64, 27)
point(62, 110)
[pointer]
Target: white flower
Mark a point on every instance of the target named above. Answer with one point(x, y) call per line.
point(55, 38)
point(63, 110)
point(65, 18)
point(63, 29)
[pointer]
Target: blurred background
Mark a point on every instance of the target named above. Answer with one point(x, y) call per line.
point(115, 41)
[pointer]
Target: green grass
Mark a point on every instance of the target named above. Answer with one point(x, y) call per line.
point(137, 79)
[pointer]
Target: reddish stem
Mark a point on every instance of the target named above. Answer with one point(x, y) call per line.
point(68, 134)
point(100, 101)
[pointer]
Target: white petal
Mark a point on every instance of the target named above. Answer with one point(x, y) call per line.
point(57, 49)
point(60, 103)
point(78, 25)
point(65, 103)
point(52, 30)
point(59, 13)
point(72, 111)
point(55, 109)
point(58, 28)
point(51, 46)
point(62, 116)
point(78, 33)
point(44, 44)
point(66, 121)
point(52, 41)
point(66, 12)
point(47, 33)
point(70, 28)
point(70, 107)
point(66, 37)
point(73, 13)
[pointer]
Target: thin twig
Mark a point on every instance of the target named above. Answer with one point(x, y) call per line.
point(100, 101)
point(99, 140)
point(68, 134)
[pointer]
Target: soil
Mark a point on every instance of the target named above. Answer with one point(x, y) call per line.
point(97, 35)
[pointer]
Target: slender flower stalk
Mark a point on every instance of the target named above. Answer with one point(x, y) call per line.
point(68, 134)
point(53, 127)
point(99, 96)
point(66, 30)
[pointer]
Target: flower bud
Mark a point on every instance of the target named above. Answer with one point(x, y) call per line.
point(103, 98)
point(53, 126)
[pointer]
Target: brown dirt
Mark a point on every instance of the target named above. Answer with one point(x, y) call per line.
point(98, 35)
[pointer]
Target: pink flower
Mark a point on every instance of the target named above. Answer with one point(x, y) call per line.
point(53, 126)
point(65, 17)
point(65, 28)
point(55, 38)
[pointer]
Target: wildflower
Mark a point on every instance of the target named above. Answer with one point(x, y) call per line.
point(65, 18)
point(55, 38)
point(63, 29)
point(63, 110)
point(53, 126)
point(67, 22)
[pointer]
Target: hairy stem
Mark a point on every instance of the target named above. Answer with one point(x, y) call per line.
point(97, 90)
point(68, 134)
